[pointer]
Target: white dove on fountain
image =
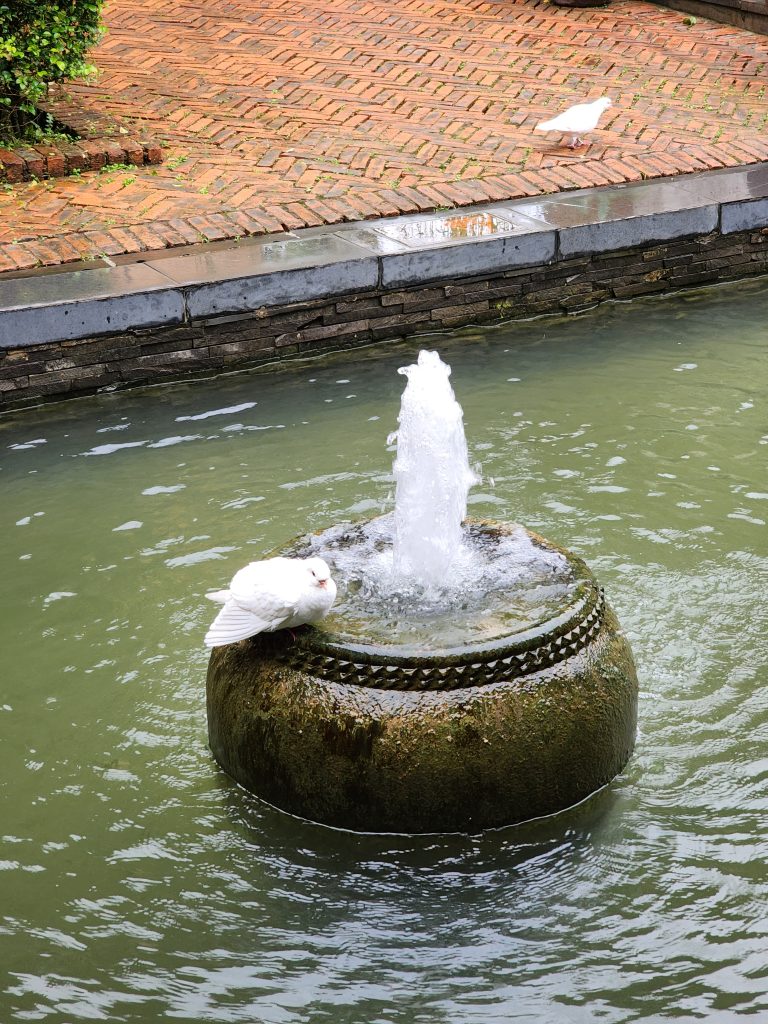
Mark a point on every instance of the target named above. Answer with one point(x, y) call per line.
point(576, 121)
point(276, 593)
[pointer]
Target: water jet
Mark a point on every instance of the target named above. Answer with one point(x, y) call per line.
point(471, 675)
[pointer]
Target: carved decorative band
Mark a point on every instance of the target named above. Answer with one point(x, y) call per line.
point(504, 662)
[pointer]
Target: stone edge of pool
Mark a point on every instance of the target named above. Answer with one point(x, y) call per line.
point(178, 312)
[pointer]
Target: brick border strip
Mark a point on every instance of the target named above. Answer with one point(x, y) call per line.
point(63, 158)
point(134, 357)
point(100, 141)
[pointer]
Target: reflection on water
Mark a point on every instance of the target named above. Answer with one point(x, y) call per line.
point(431, 230)
point(139, 884)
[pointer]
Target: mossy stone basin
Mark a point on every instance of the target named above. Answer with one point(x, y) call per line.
point(381, 738)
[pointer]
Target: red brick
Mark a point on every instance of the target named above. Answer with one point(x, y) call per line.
point(12, 167)
point(55, 163)
point(76, 158)
point(134, 151)
point(153, 153)
point(114, 152)
point(95, 154)
point(35, 162)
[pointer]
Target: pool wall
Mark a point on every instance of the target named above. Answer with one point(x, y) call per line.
point(748, 14)
point(295, 294)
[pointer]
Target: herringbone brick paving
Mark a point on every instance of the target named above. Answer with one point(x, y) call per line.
point(289, 113)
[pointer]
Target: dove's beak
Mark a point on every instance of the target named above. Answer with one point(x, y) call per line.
point(323, 584)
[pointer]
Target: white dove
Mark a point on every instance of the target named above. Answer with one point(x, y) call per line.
point(576, 121)
point(276, 593)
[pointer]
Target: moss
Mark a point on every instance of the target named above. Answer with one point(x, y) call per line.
point(456, 760)
point(362, 758)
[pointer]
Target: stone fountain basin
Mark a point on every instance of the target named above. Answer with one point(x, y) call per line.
point(383, 738)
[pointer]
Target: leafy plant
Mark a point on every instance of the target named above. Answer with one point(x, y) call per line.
point(41, 42)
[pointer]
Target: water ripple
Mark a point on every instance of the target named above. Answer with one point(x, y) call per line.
point(141, 884)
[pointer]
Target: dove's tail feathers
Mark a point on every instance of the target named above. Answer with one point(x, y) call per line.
point(546, 126)
point(233, 623)
point(219, 596)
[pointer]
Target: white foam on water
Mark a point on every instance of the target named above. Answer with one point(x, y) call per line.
point(490, 587)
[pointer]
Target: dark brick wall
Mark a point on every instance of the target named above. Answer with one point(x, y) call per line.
point(69, 368)
point(749, 14)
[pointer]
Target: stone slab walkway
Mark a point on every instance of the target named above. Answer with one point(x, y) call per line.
point(285, 114)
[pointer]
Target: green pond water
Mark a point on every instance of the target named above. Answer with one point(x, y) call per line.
point(138, 884)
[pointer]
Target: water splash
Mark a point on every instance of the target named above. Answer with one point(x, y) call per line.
point(421, 575)
point(432, 473)
point(496, 585)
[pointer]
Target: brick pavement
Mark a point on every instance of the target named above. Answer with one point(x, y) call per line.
point(290, 113)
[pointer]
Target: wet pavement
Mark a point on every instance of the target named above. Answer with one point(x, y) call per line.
point(283, 117)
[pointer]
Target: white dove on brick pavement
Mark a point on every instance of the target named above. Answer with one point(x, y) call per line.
point(576, 121)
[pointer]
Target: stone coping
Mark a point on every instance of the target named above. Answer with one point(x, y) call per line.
point(208, 283)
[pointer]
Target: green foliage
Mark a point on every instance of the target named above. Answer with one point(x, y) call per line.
point(42, 41)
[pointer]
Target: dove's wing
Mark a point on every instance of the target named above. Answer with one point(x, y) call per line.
point(570, 120)
point(585, 116)
point(235, 623)
point(261, 598)
point(271, 589)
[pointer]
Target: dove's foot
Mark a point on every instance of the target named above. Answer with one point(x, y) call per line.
point(576, 142)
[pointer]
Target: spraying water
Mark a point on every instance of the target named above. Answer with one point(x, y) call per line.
point(432, 473)
point(420, 575)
